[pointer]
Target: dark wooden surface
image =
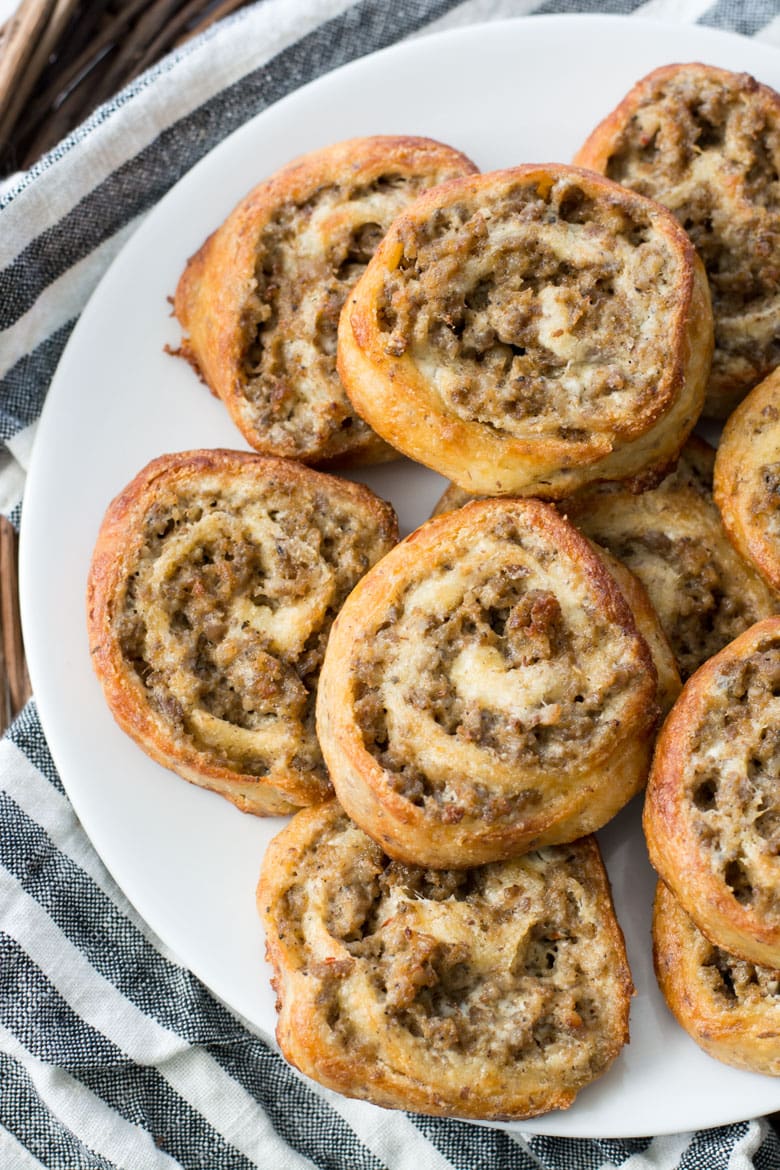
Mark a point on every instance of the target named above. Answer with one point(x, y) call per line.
point(13, 668)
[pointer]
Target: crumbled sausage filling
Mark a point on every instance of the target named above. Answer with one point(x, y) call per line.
point(734, 780)
point(505, 962)
point(308, 257)
point(701, 609)
point(673, 539)
point(737, 981)
point(227, 613)
point(763, 478)
point(500, 665)
point(711, 153)
point(538, 312)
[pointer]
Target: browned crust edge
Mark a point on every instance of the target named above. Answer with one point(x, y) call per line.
point(741, 1037)
point(396, 399)
point(111, 563)
point(308, 1046)
point(673, 849)
point(738, 452)
point(721, 395)
point(219, 277)
point(401, 828)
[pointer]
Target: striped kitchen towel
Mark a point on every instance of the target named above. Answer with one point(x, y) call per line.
point(112, 1053)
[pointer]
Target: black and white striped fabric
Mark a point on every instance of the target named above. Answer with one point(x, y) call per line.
point(112, 1054)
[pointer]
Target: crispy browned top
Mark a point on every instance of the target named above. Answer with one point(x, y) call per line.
point(476, 984)
point(706, 144)
point(218, 576)
point(732, 778)
point(538, 308)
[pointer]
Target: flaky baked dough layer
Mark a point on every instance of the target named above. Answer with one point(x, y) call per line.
point(747, 478)
point(712, 810)
point(672, 538)
point(729, 1006)
point(212, 587)
point(260, 300)
point(490, 994)
point(531, 330)
point(485, 690)
point(705, 142)
point(648, 625)
point(636, 596)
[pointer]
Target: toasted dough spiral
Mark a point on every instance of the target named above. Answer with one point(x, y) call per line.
point(213, 586)
point(673, 540)
point(485, 689)
point(706, 143)
point(260, 301)
point(530, 330)
point(490, 993)
point(731, 1007)
point(712, 813)
point(747, 479)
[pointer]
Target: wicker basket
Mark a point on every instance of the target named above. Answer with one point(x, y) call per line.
point(59, 59)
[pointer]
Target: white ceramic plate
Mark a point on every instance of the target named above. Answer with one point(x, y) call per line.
point(505, 93)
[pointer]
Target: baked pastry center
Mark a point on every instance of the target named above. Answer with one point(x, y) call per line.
point(214, 583)
point(308, 257)
point(485, 662)
point(225, 617)
point(706, 143)
point(450, 959)
point(734, 778)
point(492, 992)
point(518, 312)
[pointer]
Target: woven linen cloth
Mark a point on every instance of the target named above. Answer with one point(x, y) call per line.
point(112, 1054)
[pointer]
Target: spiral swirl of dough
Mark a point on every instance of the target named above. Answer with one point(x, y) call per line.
point(486, 689)
point(487, 993)
point(215, 579)
point(260, 301)
point(531, 330)
point(712, 813)
point(705, 142)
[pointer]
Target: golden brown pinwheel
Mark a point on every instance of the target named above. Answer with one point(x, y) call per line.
point(491, 993)
point(214, 582)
